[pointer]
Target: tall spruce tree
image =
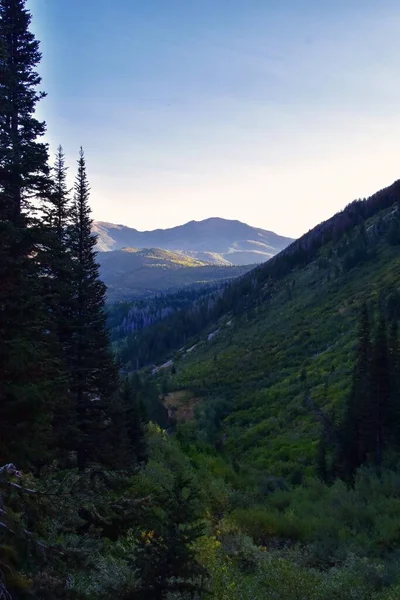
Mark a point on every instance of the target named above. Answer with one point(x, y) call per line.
point(57, 215)
point(94, 375)
point(165, 559)
point(27, 373)
point(59, 283)
point(23, 158)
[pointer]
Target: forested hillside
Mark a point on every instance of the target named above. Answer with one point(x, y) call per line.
point(294, 400)
point(133, 273)
point(291, 352)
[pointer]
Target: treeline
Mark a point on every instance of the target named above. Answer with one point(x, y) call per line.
point(59, 380)
point(305, 249)
point(338, 245)
point(125, 318)
point(150, 344)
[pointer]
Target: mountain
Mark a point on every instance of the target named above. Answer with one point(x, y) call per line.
point(214, 240)
point(134, 272)
point(277, 346)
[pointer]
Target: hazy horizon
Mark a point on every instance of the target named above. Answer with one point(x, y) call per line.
point(183, 223)
point(270, 114)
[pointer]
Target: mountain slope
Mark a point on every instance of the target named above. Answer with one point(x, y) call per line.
point(284, 335)
point(216, 240)
point(132, 272)
point(291, 350)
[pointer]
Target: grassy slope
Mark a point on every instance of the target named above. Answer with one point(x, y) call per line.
point(272, 358)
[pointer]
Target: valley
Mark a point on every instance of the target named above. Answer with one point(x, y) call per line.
point(255, 384)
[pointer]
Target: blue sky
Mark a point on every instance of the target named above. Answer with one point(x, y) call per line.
point(277, 113)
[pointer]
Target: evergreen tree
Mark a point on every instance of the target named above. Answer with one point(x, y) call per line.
point(57, 223)
point(23, 167)
point(94, 375)
point(29, 374)
point(56, 255)
point(164, 557)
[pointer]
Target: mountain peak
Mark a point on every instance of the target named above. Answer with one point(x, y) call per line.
point(213, 239)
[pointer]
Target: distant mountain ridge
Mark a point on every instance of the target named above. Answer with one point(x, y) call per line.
point(214, 240)
point(132, 272)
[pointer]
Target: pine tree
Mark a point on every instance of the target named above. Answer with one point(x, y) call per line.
point(23, 167)
point(57, 223)
point(94, 375)
point(56, 255)
point(164, 557)
point(28, 376)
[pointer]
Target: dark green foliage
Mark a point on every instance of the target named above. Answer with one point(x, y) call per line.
point(357, 250)
point(127, 414)
point(59, 291)
point(381, 392)
point(322, 464)
point(146, 336)
point(12, 536)
point(394, 368)
point(30, 370)
point(23, 168)
point(57, 207)
point(153, 408)
point(125, 318)
point(358, 425)
point(371, 421)
point(93, 371)
point(164, 553)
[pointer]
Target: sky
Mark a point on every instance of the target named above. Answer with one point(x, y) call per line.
point(277, 113)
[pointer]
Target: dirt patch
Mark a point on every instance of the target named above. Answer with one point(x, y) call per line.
point(181, 405)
